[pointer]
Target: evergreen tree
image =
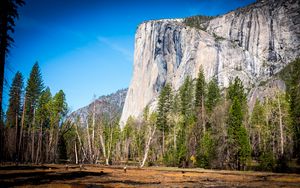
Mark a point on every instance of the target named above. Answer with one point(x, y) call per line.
point(186, 101)
point(188, 121)
point(34, 89)
point(200, 95)
point(213, 95)
point(200, 89)
point(205, 153)
point(236, 89)
point(15, 94)
point(8, 14)
point(238, 138)
point(164, 108)
point(13, 113)
point(237, 134)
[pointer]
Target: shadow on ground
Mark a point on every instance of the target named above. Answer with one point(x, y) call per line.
point(36, 178)
point(24, 167)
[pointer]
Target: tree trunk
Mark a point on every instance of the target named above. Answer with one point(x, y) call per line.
point(93, 133)
point(22, 127)
point(80, 143)
point(76, 156)
point(280, 126)
point(50, 144)
point(202, 114)
point(32, 137)
point(55, 153)
point(89, 141)
point(163, 141)
point(16, 136)
point(39, 146)
point(103, 147)
point(3, 46)
point(151, 134)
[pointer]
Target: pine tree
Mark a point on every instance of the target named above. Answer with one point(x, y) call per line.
point(8, 14)
point(200, 95)
point(236, 89)
point(188, 121)
point(200, 89)
point(213, 95)
point(14, 109)
point(186, 101)
point(238, 138)
point(164, 108)
point(13, 113)
point(33, 91)
point(205, 153)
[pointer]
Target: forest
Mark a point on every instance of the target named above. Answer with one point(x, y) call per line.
point(199, 125)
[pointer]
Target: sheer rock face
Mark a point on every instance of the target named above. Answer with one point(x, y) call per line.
point(252, 43)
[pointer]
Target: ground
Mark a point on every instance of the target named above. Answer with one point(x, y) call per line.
point(72, 176)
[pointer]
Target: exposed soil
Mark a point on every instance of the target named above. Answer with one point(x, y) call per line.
point(93, 176)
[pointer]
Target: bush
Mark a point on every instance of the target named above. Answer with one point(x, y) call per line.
point(267, 161)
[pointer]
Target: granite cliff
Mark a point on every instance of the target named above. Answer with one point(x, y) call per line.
point(253, 43)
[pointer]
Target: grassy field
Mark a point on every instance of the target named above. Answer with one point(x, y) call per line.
point(102, 176)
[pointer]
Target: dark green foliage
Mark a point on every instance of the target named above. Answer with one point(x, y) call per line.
point(213, 95)
point(33, 91)
point(164, 107)
point(14, 109)
point(182, 147)
point(199, 22)
point(237, 135)
point(244, 152)
point(236, 89)
point(200, 89)
point(267, 161)
point(206, 151)
point(235, 120)
point(8, 14)
point(188, 120)
point(186, 99)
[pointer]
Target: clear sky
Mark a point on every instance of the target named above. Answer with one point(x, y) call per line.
point(85, 47)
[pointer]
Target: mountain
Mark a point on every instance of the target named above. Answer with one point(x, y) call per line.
point(253, 43)
point(107, 104)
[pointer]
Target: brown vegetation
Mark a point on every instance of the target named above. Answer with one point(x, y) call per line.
point(103, 176)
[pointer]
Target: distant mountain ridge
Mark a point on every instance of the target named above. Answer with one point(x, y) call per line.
point(106, 104)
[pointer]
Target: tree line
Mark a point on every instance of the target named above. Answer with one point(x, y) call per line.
point(33, 121)
point(198, 125)
point(201, 125)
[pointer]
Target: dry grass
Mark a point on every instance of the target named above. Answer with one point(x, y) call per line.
point(49, 176)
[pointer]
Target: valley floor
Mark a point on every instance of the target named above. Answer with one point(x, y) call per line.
point(72, 176)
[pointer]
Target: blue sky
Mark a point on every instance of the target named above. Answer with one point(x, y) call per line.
point(85, 47)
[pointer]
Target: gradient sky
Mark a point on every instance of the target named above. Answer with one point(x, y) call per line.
point(85, 47)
